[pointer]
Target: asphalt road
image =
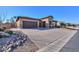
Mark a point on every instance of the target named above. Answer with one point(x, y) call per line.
point(72, 45)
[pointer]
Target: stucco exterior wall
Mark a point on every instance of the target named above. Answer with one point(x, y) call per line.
point(47, 22)
point(18, 24)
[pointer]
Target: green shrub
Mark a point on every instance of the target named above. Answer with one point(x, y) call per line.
point(1, 36)
point(1, 29)
point(9, 32)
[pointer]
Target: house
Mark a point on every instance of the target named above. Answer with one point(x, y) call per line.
point(28, 22)
point(55, 23)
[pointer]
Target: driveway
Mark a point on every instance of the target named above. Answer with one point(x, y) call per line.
point(43, 38)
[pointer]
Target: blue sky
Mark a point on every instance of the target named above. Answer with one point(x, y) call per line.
point(60, 13)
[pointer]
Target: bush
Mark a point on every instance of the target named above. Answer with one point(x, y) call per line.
point(1, 36)
point(57, 26)
point(1, 29)
point(4, 28)
point(9, 32)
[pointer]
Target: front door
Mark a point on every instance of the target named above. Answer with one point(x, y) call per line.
point(44, 24)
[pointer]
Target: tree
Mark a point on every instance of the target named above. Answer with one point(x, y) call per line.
point(63, 24)
point(74, 25)
point(0, 20)
point(12, 20)
point(68, 24)
point(3, 15)
point(7, 20)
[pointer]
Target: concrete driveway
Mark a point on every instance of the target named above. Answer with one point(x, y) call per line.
point(44, 38)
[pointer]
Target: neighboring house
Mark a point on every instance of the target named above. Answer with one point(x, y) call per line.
point(28, 22)
point(58, 24)
point(55, 23)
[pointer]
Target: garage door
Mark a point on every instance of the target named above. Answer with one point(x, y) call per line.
point(28, 24)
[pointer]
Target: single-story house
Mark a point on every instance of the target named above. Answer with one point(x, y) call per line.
point(28, 22)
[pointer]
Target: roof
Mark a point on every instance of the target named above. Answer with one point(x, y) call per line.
point(55, 21)
point(32, 18)
point(26, 18)
point(47, 17)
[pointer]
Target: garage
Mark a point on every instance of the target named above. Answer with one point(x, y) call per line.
point(29, 24)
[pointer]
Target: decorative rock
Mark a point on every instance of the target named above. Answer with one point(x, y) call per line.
point(1, 48)
point(10, 45)
point(18, 43)
point(8, 50)
point(17, 39)
point(24, 39)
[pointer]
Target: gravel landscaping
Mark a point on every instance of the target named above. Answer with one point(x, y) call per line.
point(11, 40)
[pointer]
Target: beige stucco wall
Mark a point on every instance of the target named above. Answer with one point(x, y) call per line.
point(18, 24)
point(47, 21)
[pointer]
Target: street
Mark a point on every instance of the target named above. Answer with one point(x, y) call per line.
point(72, 45)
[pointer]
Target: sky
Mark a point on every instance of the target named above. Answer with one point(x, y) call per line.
point(68, 14)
